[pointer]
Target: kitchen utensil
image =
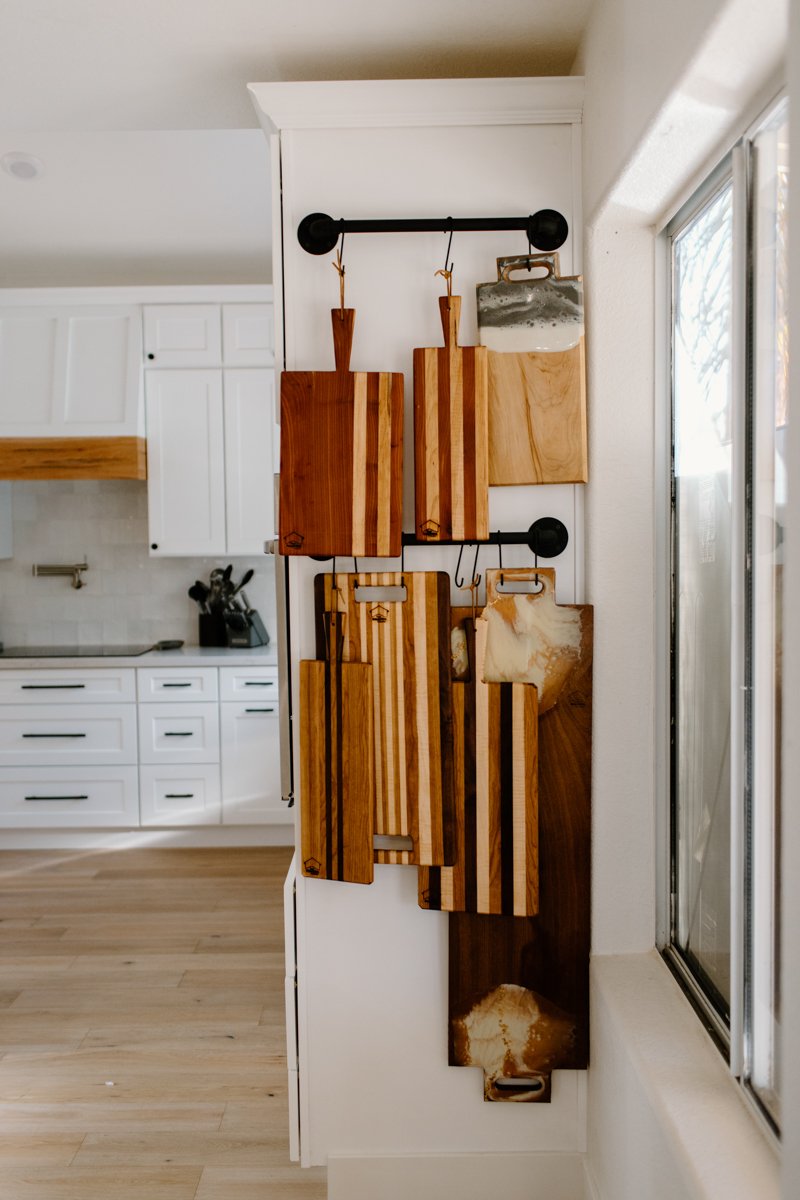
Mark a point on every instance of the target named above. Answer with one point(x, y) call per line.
point(530, 638)
point(337, 782)
point(451, 493)
point(248, 575)
point(519, 986)
point(341, 456)
point(199, 592)
point(495, 735)
point(533, 329)
point(407, 641)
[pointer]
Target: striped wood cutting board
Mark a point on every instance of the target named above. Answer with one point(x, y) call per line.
point(341, 477)
point(451, 432)
point(495, 738)
point(337, 789)
point(408, 644)
point(533, 972)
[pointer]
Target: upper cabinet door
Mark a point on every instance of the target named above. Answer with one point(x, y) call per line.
point(248, 335)
point(182, 335)
point(186, 470)
point(70, 371)
point(249, 464)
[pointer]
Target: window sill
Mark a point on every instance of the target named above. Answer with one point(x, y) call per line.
point(678, 1086)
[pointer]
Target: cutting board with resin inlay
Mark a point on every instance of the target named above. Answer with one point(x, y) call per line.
point(495, 751)
point(341, 474)
point(337, 783)
point(519, 986)
point(451, 466)
point(407, 641)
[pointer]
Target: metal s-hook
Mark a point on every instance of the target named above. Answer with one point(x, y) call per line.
point(338, 266)
point(475, 577)
point(500, 555)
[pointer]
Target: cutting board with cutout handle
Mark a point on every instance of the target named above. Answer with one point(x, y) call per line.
point(403, 630)
point(495, 751)
point(451, 466)
point(341, 474)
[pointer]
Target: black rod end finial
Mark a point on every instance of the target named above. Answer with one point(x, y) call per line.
point(547, 230)
point(548, 537)
point(318, 233)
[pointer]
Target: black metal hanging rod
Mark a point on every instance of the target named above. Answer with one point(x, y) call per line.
point(547, 538)
point(546, 229)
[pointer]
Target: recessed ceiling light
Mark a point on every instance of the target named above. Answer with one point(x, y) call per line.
point(19, 165)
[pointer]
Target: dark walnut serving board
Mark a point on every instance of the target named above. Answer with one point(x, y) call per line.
point(407, 642)
point(341, 475)
point(519, 986)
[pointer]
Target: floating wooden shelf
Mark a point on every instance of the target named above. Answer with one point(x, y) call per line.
point(73, 458)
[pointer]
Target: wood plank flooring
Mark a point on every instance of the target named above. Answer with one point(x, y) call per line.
point(142, 1043)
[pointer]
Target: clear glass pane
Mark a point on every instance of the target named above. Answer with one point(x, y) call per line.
point(702, 254)
point(769, 430)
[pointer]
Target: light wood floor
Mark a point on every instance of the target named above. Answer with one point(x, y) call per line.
point(142, 1052)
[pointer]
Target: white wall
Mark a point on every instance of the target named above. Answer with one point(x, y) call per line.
point(664, 85)
point(129, 596)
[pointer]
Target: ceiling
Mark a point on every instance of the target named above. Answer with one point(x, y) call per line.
point(154, 170)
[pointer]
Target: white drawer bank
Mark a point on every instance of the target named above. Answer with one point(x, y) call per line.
point(151, 746)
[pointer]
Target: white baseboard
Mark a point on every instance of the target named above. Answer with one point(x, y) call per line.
point(541, 1176)
point(195, 837)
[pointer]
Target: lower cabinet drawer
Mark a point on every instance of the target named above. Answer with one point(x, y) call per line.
point(180, 795)
point(64, 797)
point(179, 733)
point(85, 735)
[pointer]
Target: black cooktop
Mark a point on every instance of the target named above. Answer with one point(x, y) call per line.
point(72, 651)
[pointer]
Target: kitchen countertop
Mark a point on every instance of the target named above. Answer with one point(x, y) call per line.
point(187, 656)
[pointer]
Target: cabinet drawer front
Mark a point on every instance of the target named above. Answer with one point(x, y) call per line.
point(89, 734)
point(248, 336)
point(173, 683)
point(251, 773)
point(180, 795)
point(179, 733)
point(249, 683)
point(182, 335)
point(60, 797)
point(64, 686)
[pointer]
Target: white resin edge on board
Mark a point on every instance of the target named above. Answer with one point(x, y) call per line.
point(361, 104)
point(189, 656)
point(534, 1176)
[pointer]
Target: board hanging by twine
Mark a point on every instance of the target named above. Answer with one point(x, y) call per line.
point(338, 266)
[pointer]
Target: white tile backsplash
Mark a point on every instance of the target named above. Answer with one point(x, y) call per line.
point(128, 596)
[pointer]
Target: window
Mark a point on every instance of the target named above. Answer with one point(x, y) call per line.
point(729, 370)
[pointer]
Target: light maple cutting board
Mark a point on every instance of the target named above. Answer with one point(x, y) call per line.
point(519, 987)
point(407, 642)
point(495, 743)
point(341, 472)
point(533, 329)
point(337, 782)
point(451, 466)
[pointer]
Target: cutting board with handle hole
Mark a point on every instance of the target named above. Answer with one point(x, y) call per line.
point(495, 752)
point(407, 642)
point(451, 467)
point(519, 986)
point(337, 782)
point(341, 456)
point(533, 330)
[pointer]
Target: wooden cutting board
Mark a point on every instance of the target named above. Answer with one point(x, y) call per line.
point(337, 783)
point(408, 644)
point(341, 474)
point(519, 986)
point(537, 417)
point(495, 743)
point(451, 476)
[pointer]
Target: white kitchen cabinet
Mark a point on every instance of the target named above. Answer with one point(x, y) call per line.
point(182, 335)
point(62, 685)
point(178, 733)
point(248, 335)
point(248, 684)
point(59, 734)
point(68, 797)
point(250, 753)
point(173, 683)
point(70, 371)
point(249, 411)
point(179, 794)
point(185, 462)
point(210, 461)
